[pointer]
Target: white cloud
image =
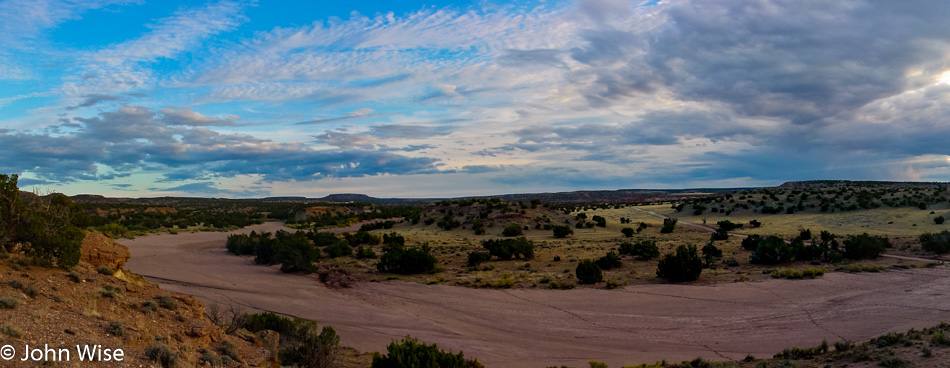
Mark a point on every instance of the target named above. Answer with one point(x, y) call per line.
point(23, 20)
point(185, 30)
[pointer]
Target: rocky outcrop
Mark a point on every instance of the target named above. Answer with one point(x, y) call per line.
point(100, 250)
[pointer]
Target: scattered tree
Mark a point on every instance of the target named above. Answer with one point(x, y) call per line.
point(588, 272)
point(683, 265)
point(669, 224)
point(512, 230)
point(609, 261)
point(562, 231)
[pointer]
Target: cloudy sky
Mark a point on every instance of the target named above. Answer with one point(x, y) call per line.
point(452, 98)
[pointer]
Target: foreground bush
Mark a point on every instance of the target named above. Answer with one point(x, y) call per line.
point(865, 246)
point(645, 249)
point(669, 224)
point(938, 243)
point(294, 252)
point(770, 250)
point(477, 258)
point(684, 265)
point(300, 344)
point(512, 230)
point(505, 249)
point(562, 231)
point(407, 261)
point(609, 261)
point(48, 228)
point(410, 353)
point(162, 355)
point(786, 273)
point(588, 272)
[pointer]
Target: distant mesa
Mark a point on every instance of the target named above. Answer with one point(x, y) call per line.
point(344, 197)
point(350, 197)
point(285, 198)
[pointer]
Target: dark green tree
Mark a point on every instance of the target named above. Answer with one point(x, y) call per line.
point(684, 265)
point(588, 272)
point(609, 261)
point(512, 230)
point(562, 231)
point(410, 353)
point(627, 232)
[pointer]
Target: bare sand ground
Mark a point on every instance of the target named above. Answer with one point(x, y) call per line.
point(539, 328)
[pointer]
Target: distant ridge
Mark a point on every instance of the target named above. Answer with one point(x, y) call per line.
point(352, 197)
point(865, 183)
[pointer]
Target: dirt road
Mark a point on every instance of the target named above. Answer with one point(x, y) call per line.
point(539, 328)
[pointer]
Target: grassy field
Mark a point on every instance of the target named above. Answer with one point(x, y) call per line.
point(901, 221)
point(556, 259)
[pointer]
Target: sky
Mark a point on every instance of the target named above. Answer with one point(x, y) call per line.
point(452, 98)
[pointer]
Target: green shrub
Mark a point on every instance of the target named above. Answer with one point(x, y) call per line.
point(314, 350)
point(162, 355)
point(410, 353)
point(609, 261)
point(940, 338)
point(107, 293)
point(588, 272)
point(645, 249)
point(339, 249)
point(751, 242)
point(865, 246)
point(166, 302)
point(448, 223)
point(286, 327)
point(711, 251)
point(207, 357)
point(505, 249)
point(477, 258)
point(113, 230)
point(864, 268)
point(719, 235)
point(407, 261)
point(229, 350)
point(892, 362)
point(771, 250)
point(361, 237)
point(560, 285)
point(627, 232)
point(365, 253)
point(938, 243)
point(12, 331)
point(115, 328)
point(669, 224)
point(726, 225)
point(74, 276)
point(796, 353)
point(16, 284)
point(103, 270)
point(8, 303)
point(842, 345)
point(50, 228)
point(149, 306)
point(938, 220)
point(785, 273)
point(562, 231)
point(512, 230)
point(813, 272)
point(683, 265)
point(599, 221)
